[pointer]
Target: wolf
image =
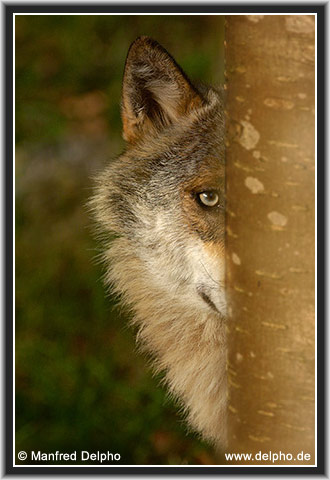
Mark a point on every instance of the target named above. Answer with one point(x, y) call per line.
point(161, 208)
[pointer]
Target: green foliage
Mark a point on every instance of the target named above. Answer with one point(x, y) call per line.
point(80, 384)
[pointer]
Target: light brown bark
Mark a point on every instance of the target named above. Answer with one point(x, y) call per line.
point(270, 234)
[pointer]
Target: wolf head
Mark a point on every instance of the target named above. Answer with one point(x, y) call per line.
point(164, 197)
point(161, 206)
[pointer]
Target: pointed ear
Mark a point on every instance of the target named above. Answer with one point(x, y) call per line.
point(156, 92)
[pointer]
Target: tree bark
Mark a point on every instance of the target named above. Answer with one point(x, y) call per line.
point(270, 235)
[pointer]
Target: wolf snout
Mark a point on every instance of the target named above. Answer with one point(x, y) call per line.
point(205, 295)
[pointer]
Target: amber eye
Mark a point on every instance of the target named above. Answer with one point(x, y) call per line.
point(209, 199)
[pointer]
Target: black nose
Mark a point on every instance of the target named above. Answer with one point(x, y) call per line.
point(207, 299)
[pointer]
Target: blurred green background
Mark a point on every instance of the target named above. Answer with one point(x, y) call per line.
point(80, 384)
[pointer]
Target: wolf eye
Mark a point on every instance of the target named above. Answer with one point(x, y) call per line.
point(209, 199)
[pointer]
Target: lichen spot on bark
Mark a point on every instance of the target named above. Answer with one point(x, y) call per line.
point(277, 219)
point(249, 136)
point(255, 18)
point(236, 258)
point(254, 185)
point(299, 23)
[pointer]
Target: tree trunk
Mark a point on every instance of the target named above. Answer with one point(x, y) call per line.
point(270, 236)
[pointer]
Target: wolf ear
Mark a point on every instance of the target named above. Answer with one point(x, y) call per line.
point(156, 92)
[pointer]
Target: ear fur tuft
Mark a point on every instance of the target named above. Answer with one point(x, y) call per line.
point(156, 92)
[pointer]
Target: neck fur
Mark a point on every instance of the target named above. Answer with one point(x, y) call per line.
point(187, 345)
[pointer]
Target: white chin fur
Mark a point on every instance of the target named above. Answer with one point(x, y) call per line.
point(185, 271)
